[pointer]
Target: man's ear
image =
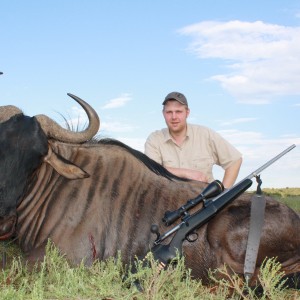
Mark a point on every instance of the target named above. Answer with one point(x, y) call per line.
point(187, 112)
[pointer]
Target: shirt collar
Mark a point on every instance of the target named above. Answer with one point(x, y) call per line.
point(168, 137)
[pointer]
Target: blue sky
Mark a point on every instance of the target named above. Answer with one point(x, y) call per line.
point(237, 62)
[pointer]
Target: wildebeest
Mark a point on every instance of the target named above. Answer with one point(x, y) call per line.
point(93, 198)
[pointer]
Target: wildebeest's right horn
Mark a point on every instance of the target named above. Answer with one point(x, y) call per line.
point(53, 130)
point(6, 112)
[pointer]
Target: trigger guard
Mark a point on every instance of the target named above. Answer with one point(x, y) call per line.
point(193, 237)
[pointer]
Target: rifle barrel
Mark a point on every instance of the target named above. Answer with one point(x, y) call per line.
point(271, 161)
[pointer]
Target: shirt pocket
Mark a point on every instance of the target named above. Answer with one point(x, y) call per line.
point(168, 162)
point(203, 164)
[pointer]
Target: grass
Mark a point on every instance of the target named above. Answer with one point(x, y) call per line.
point(289, 196)
point(54, 278)
point(283, 193)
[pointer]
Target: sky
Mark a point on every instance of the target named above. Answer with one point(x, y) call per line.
point(237, 62)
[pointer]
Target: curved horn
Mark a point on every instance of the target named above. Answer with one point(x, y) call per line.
point(8, 111)
point(53, 130)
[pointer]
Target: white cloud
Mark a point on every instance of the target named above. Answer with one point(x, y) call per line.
point(241, 138)
point(135, 143)
point(77, 119)
point(116, 126)
point(257, 150)
point(263, 60)
point(237, 121)
point(117, 102)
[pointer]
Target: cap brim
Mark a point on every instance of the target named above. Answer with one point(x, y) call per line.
point(173, 100)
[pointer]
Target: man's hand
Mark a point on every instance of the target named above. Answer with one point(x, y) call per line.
point(190, 174)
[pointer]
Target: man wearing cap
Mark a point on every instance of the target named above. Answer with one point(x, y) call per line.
point(189, 150)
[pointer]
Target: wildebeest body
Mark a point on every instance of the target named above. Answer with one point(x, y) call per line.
point(93, 199)
point(97, 215)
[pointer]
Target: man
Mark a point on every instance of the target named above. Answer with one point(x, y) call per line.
point(188, 150)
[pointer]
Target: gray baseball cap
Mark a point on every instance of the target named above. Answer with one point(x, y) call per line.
point(177, 97)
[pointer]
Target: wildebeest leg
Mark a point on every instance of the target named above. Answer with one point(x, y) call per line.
point(292, 267)
point(202, 253)
point(35, 256)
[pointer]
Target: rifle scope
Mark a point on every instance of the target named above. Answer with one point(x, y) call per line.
point(212, 190)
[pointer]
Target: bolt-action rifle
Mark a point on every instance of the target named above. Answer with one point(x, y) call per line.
point(214, 198)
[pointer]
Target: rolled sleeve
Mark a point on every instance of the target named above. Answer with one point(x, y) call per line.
point(152, 148)
point(225, 153)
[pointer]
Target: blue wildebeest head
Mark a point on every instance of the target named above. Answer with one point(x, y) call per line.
point(23, 147)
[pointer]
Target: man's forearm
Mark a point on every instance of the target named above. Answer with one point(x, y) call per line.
point(190, 174)
point(231, 173)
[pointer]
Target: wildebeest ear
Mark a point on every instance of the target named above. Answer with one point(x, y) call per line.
point(64, 167)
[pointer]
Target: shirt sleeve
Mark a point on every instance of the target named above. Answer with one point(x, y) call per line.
point(224, 153)
point(152, 148)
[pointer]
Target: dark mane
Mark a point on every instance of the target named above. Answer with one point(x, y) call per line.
point(147, 161)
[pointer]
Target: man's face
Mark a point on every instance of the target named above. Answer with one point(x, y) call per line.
point(175, 115)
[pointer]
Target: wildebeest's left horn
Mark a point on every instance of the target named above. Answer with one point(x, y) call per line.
point(53, 130)
point(6, 112)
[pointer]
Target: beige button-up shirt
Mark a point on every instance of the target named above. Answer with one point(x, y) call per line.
point(201, 149)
